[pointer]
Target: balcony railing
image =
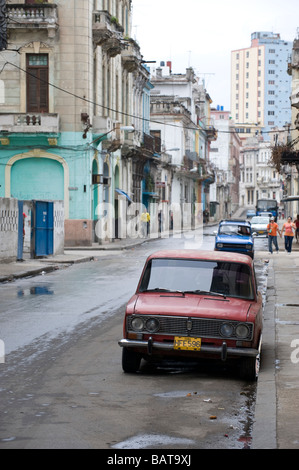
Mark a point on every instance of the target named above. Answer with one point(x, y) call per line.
point(29, 123)
point(295, 96)
point(41, 16)
point(108, 33)
point(131, 57)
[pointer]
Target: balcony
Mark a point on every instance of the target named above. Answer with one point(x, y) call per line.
point(108, 33)
point(29, 123)
point(41, 16)
point(131, 58)
point(210, 130)
point(295, 95)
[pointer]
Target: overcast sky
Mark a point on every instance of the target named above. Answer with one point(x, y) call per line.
point(202, 34)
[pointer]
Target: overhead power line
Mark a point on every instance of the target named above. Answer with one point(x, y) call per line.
point(82, 98)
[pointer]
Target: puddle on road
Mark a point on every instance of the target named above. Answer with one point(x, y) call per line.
point(142, 441)
point(36, 290)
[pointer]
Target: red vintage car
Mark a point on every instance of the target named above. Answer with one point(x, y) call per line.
point(195, 304)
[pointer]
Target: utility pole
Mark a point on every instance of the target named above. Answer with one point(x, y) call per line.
point(3, 25)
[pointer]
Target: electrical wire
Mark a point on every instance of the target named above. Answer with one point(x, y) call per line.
point(194, 126)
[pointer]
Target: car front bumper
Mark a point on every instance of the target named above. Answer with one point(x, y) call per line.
point(223, 351)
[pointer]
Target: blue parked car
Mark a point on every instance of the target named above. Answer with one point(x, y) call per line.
point(235, 236)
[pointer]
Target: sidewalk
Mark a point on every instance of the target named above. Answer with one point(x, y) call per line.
point(32, 267)
point(276, 420)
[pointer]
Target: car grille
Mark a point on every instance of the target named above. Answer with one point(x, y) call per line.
point(234, 246)
point(190, 326)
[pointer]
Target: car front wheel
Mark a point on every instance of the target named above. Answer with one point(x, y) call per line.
point(130, 360)
point(250, 368)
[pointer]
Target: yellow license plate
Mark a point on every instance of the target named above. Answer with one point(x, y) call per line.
point(186, 343)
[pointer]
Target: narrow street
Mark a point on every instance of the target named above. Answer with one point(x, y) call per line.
point(62, 385)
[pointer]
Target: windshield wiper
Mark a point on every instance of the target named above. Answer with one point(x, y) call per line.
point(205, 292)
point(159, 289)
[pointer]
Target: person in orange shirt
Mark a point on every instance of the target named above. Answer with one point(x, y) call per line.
point(297, 228)
point(272, 229)
point(288, 227)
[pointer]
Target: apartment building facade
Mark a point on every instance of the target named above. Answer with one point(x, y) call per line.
point(224, 156)
point(181, 116)
point(73, 88)
point(259, 179)
point(260, 85)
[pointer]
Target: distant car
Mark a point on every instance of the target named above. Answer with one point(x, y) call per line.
point(266, 214)
point(259, 225)
point(250, 213)
point(235, 236)
point(194, 304)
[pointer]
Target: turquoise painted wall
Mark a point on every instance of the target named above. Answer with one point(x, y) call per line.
point(37, 178)
point(34, 178)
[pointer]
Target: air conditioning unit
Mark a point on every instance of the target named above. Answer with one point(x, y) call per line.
point(101, 125)
point(101, 179)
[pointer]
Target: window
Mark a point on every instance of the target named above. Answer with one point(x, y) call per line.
point(37, 83)
point(271, 72)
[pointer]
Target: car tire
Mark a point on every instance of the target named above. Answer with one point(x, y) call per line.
point(130, 361)
point(249, 368)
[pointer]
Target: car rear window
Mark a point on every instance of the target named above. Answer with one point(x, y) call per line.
point(234, 229)
point(227, 278)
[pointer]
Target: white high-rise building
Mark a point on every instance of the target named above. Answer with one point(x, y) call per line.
point(260, 85)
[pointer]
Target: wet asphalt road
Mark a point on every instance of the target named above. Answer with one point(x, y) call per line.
point(62, 385)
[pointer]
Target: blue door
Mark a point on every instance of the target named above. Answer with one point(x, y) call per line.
point(20, 231)
point(43, 228)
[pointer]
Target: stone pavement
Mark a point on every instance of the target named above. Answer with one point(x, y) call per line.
point(276, 420)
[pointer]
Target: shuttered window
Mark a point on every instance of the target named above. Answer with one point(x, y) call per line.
point(37, 83)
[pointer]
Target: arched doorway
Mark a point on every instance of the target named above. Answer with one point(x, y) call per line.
point(34, 178)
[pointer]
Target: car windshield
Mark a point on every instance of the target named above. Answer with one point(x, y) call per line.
point(197, 276)
point(260, 220)
point(234, 229)
point(267, 205)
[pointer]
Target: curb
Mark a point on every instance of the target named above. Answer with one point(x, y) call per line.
point(264, 435)
point(29, 273)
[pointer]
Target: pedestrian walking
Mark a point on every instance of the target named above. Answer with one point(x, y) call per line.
point(297, 228)
point(145, 220)
point(272, 229)
point(288, 229)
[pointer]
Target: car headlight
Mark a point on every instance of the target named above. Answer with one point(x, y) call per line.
point(137, 324)
point(226, 330)
point(219, 245)
point(242, 330)
point(152, 325)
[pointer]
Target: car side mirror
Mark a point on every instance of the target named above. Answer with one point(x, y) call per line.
point(215, 232)
point(254, 234)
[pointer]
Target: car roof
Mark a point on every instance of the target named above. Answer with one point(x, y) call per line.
point(202, 255)
point(235, 221)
